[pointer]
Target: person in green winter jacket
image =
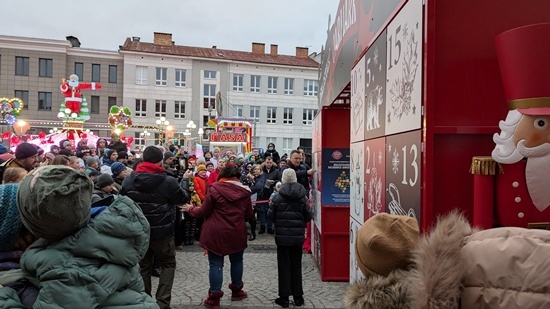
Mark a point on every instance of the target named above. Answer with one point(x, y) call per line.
point(85, 257)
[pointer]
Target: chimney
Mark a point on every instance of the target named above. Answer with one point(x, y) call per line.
point(164, 39)
point(73, 40)
point(302, 52)
point(274, 48)
point(214, 47)
point(258, 48)
point(135, 38)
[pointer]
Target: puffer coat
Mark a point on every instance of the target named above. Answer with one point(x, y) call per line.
point(456, 266)
point(289, 211)
point(97, 267)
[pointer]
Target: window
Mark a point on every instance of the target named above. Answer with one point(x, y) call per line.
point(141, 108)
point(24, 96)
point(181, 78)
point(161, 79)
point(160, 108)
point(287, 146)
point(111, 103)
point(289, 85)
point(271, 115)
point(209, 97)
point(309, 114)
point(112, 74)
point(205, 120)
point(255, 113)
point(287, 115)
point(45, 101)
point(138, 139)
point(95, 105)
point(79, 70)
point(141, 75)
point(96, 72)
point(255, 83)
point(22, 66)
point(238, 110)
point(272, 84)
point(210, 74)
point(238, 82)
point(179, 109)
point(45, 67)
point(270, 140)
point(310, 87)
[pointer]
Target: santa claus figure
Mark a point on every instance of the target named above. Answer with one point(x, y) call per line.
point(71, 90)
point(522, 187)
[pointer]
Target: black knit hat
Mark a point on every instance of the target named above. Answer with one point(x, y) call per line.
point(152, 154)
point(168, 155)
point(104, 180)
point(25, 150)
point(122, 155)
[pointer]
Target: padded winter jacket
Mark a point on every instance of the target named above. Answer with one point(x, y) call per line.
point(157, 194)
point(289, 211)
point(455, 266)
point(97, 267)
point(226, 207)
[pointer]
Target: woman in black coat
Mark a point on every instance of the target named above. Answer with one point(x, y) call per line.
point(289, 211)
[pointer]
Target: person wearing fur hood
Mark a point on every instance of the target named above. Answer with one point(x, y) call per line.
point(452, 266)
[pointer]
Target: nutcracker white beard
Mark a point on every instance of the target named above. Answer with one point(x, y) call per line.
point(536, 173)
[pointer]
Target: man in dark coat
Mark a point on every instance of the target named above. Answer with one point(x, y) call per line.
point(289, 211)
point(158, 196)
point(117, 144)
point(302, 172)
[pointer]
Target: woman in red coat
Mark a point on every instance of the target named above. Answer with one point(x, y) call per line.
point(225, 209)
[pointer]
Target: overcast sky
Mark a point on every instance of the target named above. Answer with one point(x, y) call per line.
point(228, 24)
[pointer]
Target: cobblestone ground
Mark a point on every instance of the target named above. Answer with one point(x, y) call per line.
point(260, 278)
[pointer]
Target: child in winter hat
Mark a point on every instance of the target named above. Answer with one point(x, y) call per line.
point(54, 201)
point(385, 242)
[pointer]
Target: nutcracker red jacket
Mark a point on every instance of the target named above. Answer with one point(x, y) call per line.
point(226, 207)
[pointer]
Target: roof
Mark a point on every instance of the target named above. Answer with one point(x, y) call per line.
point(218, 54)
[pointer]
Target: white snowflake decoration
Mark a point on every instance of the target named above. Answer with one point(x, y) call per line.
point(395, 162)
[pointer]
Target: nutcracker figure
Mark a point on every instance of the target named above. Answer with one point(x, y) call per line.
point(515, 190)
point(71, 90)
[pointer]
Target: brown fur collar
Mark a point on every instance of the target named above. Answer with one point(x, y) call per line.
point(378, 292)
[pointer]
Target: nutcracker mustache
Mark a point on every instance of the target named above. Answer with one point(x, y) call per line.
point(537, 151)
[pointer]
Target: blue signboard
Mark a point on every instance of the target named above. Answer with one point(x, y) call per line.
point(336, 177)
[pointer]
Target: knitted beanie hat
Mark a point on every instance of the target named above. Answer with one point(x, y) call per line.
point(10, 220)
point(385, 243)
point(117, 168)
point(25, 150)
point(168, 155)
point(90, 161)
point(54, 201)
point(201, 168)
point(109, 152)
point(104, 180)
point(152, 154)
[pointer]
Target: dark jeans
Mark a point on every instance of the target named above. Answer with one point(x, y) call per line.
point(289, 267)
point(216, 270)
point(164, 253)
point(262, 213)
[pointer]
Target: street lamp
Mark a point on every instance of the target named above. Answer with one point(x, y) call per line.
point(200, 132)
point(186, 135)
point(191, 126)
point(162, 123)
point(144, 135)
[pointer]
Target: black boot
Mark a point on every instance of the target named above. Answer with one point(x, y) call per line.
point(270, 230)
point(252, 222)
point(252, 236)
point(298, 301)
point(282, 301)
point(262, 229)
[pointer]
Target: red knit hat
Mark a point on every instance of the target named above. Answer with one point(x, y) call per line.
point(524, 58)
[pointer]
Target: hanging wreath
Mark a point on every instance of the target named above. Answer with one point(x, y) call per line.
point(120, 118)
point(10, 109)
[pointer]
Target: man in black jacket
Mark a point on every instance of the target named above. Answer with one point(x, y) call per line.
point(158, 196)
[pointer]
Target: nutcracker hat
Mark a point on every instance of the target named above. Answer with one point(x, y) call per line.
point(524, 58)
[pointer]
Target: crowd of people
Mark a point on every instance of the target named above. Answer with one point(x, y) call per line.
point(122, 215)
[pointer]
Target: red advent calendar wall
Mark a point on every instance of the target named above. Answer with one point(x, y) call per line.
point(424, 89)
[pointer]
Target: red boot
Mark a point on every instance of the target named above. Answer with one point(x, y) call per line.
point(237, 292)
point(213, 300)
